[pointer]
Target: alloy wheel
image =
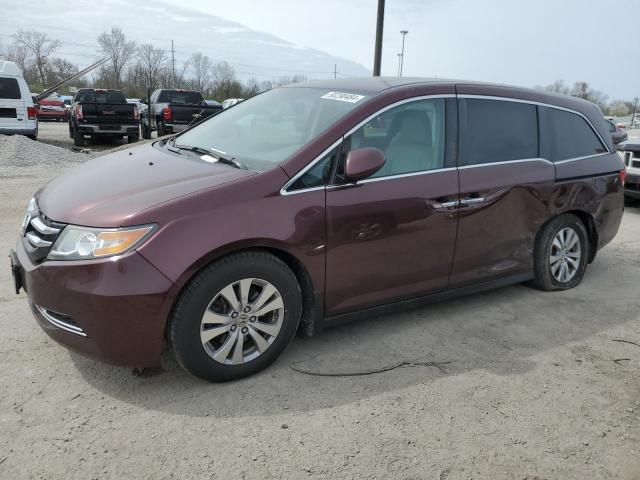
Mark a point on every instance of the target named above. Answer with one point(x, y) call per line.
point(564, 258)
point(242, 321)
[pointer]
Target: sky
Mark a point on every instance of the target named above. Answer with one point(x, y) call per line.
point(518, 42)
point(521, 42)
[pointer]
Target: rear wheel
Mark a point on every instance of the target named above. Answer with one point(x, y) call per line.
point(133, 138)
point(161, 129)
point(561, 254)
point(78, 138)
point(236, 316)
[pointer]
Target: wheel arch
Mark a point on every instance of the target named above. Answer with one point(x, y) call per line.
point(589, 224)
point(311, 302)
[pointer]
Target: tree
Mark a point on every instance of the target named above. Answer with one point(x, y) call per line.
point(225, 84)
point(251, 88)
point(201, 66)
point(59, 69)
point(40, 47)
point(150, 65)
point(19, 54)
point(119, 50)
point(619, 108)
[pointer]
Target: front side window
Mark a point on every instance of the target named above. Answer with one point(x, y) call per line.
point(9, 88)
point(411, 136)
point(497, 131)
point(572, 137)
point(265, 130)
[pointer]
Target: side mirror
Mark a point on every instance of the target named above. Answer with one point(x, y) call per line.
point(362, 163)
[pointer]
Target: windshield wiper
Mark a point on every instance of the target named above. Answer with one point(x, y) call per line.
point(234, 162)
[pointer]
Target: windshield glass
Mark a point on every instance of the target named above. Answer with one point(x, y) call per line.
point(266, 129)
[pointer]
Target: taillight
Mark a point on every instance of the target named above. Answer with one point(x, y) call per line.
point(79, 115)
point(167, 114)
point(136, 113)
point(623, 175)
point(32, 113)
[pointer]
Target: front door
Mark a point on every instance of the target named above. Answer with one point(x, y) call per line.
point(392, 236)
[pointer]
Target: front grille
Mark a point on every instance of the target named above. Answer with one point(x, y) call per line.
point(635, 163)
point(40, 234)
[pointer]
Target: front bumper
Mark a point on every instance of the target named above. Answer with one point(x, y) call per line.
point(113, 310)
point(108, 129)
point(632, 186)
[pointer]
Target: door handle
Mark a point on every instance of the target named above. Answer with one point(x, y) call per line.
point(471, 201)
point(451, 204)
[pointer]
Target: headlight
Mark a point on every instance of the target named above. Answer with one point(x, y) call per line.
point(84, 243)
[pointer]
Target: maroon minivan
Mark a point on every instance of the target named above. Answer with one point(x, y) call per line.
point(310, 204)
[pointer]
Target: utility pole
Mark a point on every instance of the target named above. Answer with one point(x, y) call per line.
point(404, 33)
point(377, 56)
point(173, 66)
point(335, 70)
point(633, 115)
point(399, 60)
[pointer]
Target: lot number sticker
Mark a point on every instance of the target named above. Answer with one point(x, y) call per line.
point(343, 97)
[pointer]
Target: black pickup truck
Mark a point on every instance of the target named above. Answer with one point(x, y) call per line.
point(99, 113)
point(172, 111)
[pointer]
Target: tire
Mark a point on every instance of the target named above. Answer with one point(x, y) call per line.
point(146, 132)
point(133, 138)
point(33, 137)
point(549, 277)
point(78, 138)
point(204, 293)
point(161, 130)
point(70, 131)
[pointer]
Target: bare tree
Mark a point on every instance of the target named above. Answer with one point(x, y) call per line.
point(201, 66)
point(119, 50)
point(150, 65)
point(58, 69)
point(40, 46)
point(558, 87)
point(251, 88)
point(19, 54)
point(619, 108)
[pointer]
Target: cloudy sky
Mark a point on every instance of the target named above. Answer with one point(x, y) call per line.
point(521, 42)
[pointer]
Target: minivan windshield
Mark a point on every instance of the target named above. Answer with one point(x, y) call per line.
point(266, 129)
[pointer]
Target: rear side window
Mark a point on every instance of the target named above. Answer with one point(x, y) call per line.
point(571, 136)
point(497, 131)
point(9, 88)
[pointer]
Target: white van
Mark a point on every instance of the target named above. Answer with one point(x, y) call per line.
point(17, 113)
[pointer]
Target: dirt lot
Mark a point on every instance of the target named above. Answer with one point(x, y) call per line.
point(534, 386)
point(57, 133)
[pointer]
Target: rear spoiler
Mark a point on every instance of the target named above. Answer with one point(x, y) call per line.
point(82, 72)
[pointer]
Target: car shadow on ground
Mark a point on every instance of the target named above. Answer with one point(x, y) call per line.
point(499, 332)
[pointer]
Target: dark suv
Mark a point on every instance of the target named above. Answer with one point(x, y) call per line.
point(311, 204)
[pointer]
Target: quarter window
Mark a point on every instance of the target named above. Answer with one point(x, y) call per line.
point(316, 176)
point(571, 135)
point(498, 131)
point(411, 136)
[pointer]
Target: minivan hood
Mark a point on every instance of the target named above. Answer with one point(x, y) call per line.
point(110, 190)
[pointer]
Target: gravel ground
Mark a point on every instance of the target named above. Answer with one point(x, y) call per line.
point(18, 152)
point(531, 385)
point(57, 133)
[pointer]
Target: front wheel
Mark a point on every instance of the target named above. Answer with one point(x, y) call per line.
point(561, 254)
point(236, 316)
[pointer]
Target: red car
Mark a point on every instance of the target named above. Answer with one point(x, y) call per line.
point(53, 109)
point(312, 204)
